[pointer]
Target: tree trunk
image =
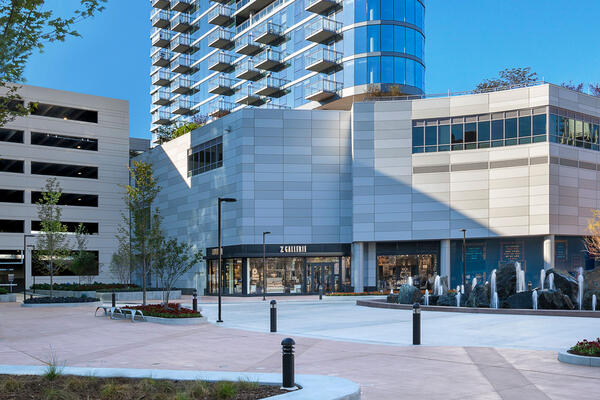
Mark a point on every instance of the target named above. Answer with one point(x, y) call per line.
point(144, 284)
point(51, 279)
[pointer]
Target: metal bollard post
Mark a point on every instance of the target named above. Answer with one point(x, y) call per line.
point(320, 292)
point(529, 286)
point(273, 316)
point(114, 299)
point(195, 301)
point(416, 324)
point(287, 359)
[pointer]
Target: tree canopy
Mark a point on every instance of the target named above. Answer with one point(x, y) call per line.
point(168, 133)
point(507, 78)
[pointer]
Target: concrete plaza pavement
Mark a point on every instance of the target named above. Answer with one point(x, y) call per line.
point(385, 371)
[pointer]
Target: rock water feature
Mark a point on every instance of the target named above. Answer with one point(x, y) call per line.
point(409, 294)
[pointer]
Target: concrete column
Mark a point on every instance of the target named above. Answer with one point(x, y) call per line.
point(371, 264)
point(357, 266)
point(445, 257)
point(549, 252)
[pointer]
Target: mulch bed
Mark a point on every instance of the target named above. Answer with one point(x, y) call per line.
point(26, 387)
point(173, 311)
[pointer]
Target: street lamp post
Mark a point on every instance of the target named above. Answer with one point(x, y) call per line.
point(464, 256)
point(220, 200)
point(25, 264)
point(263, 272)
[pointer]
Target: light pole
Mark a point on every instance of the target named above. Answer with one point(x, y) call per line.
point(263, 274)
point(464, 256)
point(220, 200)
point(25, 264)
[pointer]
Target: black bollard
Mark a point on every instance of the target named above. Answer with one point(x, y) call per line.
point(273, 316)
point(416, 323)
point(287, 370)
point(529, 286)
point(114, 299)
point(320, 292)
point(195, 301)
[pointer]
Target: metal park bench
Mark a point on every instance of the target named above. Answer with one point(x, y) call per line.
point(119, 312)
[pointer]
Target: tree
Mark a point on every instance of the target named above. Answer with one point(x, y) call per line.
point(173, 260)
point(167, 133)
point(52, 247)
point(592, 242)
point(121, 261)
point(84, 262)
point(27, 26)
point(570, 85)
point(143, 223)
point(595, 89)
point(507, 78)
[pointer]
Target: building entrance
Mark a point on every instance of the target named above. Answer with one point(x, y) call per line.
point(320, 274)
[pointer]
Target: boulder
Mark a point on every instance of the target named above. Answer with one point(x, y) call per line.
point(450, 300)
point(506, 281)
point(409, 294)
point(392, 298)
point(553, 300)
point(433, 300)
point(565, 283)
point(587, 299)
point(521, 300)
point(479, 297)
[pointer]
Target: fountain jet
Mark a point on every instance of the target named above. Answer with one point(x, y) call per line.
point(542, 278)
point(534, 299)
point(580, 288)
point(426, 297)
point(551, 281)
point(594, 302)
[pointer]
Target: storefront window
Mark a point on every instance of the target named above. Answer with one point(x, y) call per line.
point(394, 271)
point(283, 274)
point(231, 276)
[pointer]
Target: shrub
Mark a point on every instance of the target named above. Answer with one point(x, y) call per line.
point(244, 385)
point(3, 291)
point(76, 384)
point(52, 300)
point(113, 391)
point(88, 287)
point(199, 390)
point(587, 348)
point(57, 394)
point(224, 390)
point(172, 311)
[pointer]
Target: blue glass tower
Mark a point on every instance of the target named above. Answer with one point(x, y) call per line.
point(210, 57)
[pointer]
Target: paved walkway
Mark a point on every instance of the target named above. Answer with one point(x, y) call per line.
point(384, 371)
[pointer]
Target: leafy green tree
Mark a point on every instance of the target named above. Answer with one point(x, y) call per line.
point(52, 245)
point(121, 260)
point(27, 26)
point(84, 262)
point(167, 133)
point(507, 78)
point(173, 260)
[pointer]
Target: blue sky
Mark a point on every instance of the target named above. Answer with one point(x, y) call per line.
point(467, 41)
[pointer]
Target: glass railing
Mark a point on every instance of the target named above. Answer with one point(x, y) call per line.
point(246, 91)
point(181, 82)
point(161, 55)
point(322, 85)
point(220, 58)
point(257, 17)
point(162, 94)
point(161, 34)
point(309, 3)
point(221, 81)
point(220, 107)
point(219, 33)
point(268, 27)
point(161, 75)
point(246, 40)
point(270, 82)
point(187, 3)
point(269, 54)
point(161, 115)
point(183, 104)
point(161, 14)
point(322, 54)
point(241, 4)
point(183, 60)
point(220, 10)
point(181, 40)
point(181, 18)
point(322, 24)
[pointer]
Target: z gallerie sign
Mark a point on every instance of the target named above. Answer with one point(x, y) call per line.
point(292, 249)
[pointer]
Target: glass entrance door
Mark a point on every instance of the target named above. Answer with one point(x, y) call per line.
point(320, 274)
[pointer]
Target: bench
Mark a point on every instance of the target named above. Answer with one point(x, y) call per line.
point(119, 312)
point(107, 310)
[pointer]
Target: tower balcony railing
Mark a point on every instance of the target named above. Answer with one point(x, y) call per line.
point(247, 95)
point(322, 7)
point(323, 30)
point(161, 78)
point(182, 5)
point(161, 117)
point(181, 22)
point(161, 19)
point(161, 4)
point(221, 85)
point(162, 97)
point(270, 86)
point(182, 43)
point(323, 60)
point(221, 15)
point(247, 45)
point(247, 71)
point(220, 107)
point(269, 60)
point(244, 8)
point(182, 106)
point(221, 61)
point(269, 33)
point(183, 64)
point(221, 39)
point(322, 89)
point(161, 58)
point(161, 38)
point(181, 85)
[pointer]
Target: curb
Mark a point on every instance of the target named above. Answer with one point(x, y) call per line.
point(90, 303)
point(568, 358)
point(312, 386)
point(177, 321)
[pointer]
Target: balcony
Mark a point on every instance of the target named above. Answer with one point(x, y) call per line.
point(270, 60)
point(246, 45)
point(248, 97)
point(161, 19)
point(220, 15)
point(181, 5)
point(182, 43)
point(221, 85)
point(221, 39)
point(323, 30)
point(323, 7)
point(220, 108)
point(323, 60)
point(247, 71)
point(162, 97)
point(269, 33)
point(270, 87)
point(161, 38)
point(162, 4)
point(161, 118)
point(221, 62)
point(181, 85)
point(322, 89)
point(182, 106)
point(183, 64)
point(161, 58)
point(161, 78)
point(181, 23)
point(246, 7)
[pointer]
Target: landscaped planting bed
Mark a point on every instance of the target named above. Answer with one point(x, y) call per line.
point(97, 286)
point(359, 293)
point(173, 311)
point(51, 386)
point(3, 291)
point(56, 300)
point(586, 348)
